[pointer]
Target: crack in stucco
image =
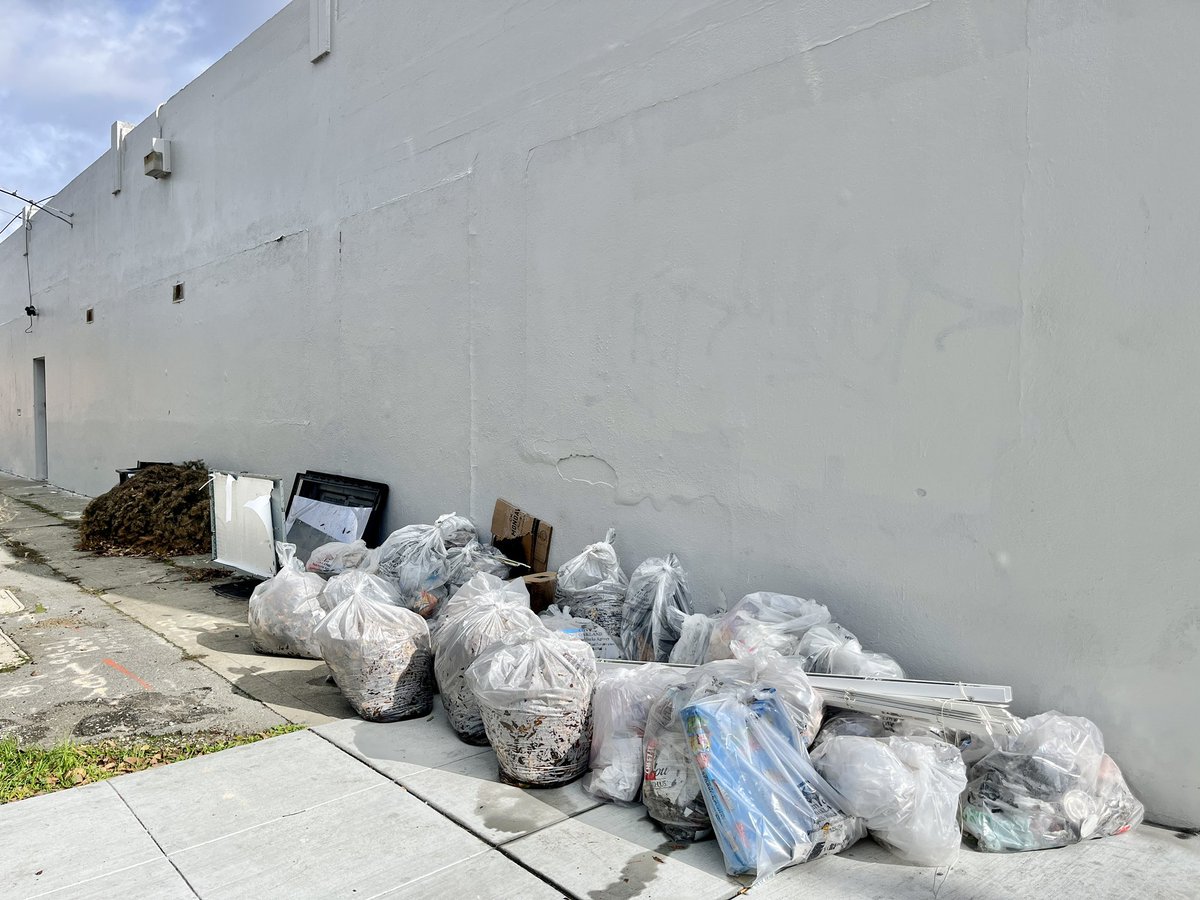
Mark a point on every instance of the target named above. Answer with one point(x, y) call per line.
point(587, 459)
point(859, 29)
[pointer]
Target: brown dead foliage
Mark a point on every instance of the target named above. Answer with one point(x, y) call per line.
point(160, 511)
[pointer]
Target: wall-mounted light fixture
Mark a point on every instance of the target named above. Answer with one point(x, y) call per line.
point(157, 162)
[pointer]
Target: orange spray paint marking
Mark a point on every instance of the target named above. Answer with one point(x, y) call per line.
point(124, 671)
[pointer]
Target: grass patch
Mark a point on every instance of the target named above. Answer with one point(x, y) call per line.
point(40, 608)
point(29, 771)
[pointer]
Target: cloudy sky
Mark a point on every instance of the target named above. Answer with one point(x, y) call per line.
point(70, 68)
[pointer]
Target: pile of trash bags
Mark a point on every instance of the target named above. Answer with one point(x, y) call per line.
point(710, 721)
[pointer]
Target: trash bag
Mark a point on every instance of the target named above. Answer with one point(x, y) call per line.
point(471, 559)
point(593, 585)
point(457, 531)
point(766, 621)
point(357, 583)
point(832, 650)
point(621, 704)
point(534, 690)
point(468, 627)
point(906, 789)
point(770, 809)
point(335, 557)
point(656, 602)
point(694, 633)
point(855, 724)
point(414, 560)
point(1049, 786)
point(284, 609)
point(561, 619)
point(671, 788)
point(379, 656)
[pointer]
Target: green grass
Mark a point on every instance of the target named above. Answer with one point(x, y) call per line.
point(29, 771)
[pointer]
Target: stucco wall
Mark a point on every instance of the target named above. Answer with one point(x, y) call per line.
point(886, 303)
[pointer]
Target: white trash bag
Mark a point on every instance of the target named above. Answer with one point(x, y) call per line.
point(284, 609)
point(694, 634)
point(472, 558)
point(359, 583)
point(832, 650)
point(593, 584)
point(335, 558)
point(1049, 786)
point(621, 705)
point(656, 602)
point(414, 560)
point(457, 531)
point(905, 788)
point(562, 620)
point(379, 656)
point(765, 621)
point(534, 690)
point(492, 609)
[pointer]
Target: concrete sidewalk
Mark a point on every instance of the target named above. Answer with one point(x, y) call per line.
point(353, 809)
point(172, 630)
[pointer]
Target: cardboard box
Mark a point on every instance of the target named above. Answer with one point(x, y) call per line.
point(541, 589)
point(520, 536)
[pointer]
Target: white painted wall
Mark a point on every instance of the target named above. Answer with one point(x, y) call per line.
point(887, 303)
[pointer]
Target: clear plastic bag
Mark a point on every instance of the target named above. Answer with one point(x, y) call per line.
point(379, 656)
point(832, 650)
point(593, 584)
point(472, 558)
point(457, 531)
point(765, 621)
point(694, 634)
point(534, 690)
point(335, 557)
point(671, 788)
point(560, 619)
point(770, 809)
point(621, 705)
point(414, 560)
point(906, 789)
point(854, 724)
point(284, 609)
point(656, 602)
point(358, 583)
point(469, 625)
point(1049, 786)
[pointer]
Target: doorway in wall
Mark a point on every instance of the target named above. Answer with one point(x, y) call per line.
point(40, 454)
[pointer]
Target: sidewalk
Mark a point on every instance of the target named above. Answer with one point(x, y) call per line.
point(354, 809)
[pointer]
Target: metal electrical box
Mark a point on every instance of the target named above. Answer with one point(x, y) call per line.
point(158, 160)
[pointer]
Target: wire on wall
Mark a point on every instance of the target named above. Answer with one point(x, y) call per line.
point(27, 227)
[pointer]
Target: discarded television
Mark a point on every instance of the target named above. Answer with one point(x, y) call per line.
point(247, 520)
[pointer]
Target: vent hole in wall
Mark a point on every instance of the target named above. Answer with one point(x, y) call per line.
point(177, 293)
point(89, 316)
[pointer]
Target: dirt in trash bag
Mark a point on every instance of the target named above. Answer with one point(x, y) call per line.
point(540, 749)
point(163, 510)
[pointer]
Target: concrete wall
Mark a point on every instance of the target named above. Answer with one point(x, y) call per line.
point(886, 303)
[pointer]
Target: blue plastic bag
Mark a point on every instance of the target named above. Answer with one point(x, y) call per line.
point(769, 807)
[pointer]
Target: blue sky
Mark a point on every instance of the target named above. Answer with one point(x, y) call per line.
point(69, 68)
